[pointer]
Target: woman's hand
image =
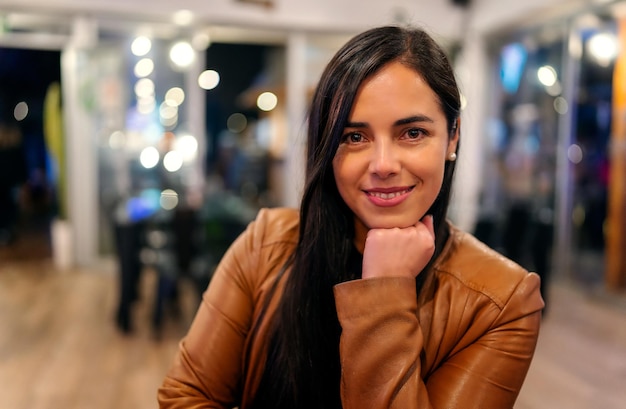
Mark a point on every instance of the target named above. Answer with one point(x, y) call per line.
point(399, 252)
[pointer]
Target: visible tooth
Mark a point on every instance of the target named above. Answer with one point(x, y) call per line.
point(387, 195)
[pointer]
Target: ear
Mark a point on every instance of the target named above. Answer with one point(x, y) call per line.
point(454, 140)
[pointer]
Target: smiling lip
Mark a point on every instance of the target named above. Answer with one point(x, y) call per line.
point(388, 196)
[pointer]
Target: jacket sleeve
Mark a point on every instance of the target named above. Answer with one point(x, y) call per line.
point(206, 373)
point(382, 347)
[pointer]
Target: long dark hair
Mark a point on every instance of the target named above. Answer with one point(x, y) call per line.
point(302, 368)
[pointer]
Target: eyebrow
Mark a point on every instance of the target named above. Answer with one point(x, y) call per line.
point(403, 121)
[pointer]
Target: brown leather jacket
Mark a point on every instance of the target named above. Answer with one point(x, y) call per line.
point(465, 341)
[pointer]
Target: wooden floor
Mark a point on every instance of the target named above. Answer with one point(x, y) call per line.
point(580, 362)
point(59, 348)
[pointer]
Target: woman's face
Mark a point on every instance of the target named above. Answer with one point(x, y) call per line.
point(389, 166)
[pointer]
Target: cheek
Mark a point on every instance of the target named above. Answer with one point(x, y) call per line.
point(437, 174)
point(347, 177)
point(428, 166)
point(438, 181)
point(338, 174)
point(342, 169)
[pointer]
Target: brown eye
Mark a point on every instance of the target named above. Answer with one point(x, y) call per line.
point(353, 137)
point(415, 133)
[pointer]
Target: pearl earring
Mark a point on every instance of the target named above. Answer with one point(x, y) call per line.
point(452, 156)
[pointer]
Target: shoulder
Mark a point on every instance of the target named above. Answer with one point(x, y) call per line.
point(269, 240)
point(276, 225)
point(468, 262)
point(260, 252)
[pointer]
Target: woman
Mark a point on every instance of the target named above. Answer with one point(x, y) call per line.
point(368, 298)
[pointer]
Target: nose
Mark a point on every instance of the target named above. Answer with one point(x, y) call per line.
point(384, 161)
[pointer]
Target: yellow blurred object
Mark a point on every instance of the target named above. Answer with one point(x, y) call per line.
point(55, 141)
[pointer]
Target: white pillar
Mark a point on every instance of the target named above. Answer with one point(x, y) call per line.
point(564, 169)
point(472, 67)
point(82, 181)
point(296, 114)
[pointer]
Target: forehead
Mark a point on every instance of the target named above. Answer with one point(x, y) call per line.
point(396, 87)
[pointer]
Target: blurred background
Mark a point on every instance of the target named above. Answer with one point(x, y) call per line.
point(138, 139)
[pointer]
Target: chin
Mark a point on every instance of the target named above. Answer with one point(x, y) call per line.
point(392, 222)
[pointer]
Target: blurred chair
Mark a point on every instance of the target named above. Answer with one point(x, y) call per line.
point(178, 244)
point(128, 243)
point(189, 244)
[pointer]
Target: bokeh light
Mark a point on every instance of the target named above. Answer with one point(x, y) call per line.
point(168, 115)
point(554, 89)
point(603, 47)
point(236, 123)
point(187, 146)
point(117, 140)
point(547, 75)
point(144, 67)
point(141, 46)
point(169, 199)
point(209, 79)
point(149, 157)
point(182, 54)
point(20, 112)
point(560, 105)
point(144, 88)
point(574, 154)
point(267, 101)
point(146, 105)
point(201, 41)
point(174, 96)
point(173, 161)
